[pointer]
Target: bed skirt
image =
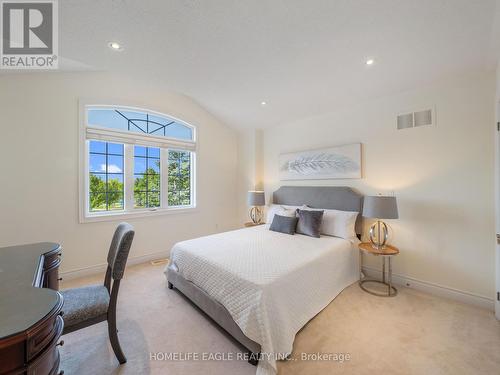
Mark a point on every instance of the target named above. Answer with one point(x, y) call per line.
point(211, 307)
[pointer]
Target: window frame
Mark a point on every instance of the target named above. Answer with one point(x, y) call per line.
point(106, 172)
point(129, 140)
point(146, 174)
point(191, 173)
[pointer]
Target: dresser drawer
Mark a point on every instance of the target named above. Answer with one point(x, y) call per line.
point(12, 358)
point(49, 332)
point(47, 363)
point(30, 324)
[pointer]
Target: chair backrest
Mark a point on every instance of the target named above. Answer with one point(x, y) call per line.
point(119, 249)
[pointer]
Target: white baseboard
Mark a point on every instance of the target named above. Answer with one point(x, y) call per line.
point(409, 282)
point(101, 268)
point(435, 289)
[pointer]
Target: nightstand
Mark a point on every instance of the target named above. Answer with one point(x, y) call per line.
point(252, 224)
point(386, 253)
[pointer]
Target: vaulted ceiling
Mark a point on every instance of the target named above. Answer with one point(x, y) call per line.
point(302, 57)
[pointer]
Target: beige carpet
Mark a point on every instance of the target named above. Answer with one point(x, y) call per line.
point(413, 333)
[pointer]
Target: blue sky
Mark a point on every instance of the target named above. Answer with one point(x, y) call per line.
point(97, 162)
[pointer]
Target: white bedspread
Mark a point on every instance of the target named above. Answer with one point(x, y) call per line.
point(271, 283)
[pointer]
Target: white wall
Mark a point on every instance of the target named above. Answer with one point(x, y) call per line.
point(250, 168)
point(497, 188)
point(39, 166)
point(442, 176)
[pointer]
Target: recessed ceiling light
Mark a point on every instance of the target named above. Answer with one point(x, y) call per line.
point(115, 46)
point(263, 103)
point(370, 62)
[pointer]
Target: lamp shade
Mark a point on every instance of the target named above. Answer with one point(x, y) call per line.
point(256, 198)
point(380, 207)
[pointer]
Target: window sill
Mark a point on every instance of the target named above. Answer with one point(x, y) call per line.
point(115, 216)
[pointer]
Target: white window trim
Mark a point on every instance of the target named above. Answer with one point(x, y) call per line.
point(110, 135)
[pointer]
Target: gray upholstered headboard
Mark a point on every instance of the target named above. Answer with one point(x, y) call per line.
point(331, 197)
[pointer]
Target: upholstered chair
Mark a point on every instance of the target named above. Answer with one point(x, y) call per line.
point(93, 304)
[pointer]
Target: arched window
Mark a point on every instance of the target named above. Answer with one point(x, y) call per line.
point(139, 121)
point(135, 162)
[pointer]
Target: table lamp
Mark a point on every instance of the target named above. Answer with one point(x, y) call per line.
point(256, 200)
point(380, 207)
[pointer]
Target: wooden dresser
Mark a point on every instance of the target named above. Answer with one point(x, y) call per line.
point(30, 309)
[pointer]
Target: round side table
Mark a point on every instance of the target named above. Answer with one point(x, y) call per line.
point(386, 253)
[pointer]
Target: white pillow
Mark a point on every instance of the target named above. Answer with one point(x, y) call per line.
point(279, 209)
point(337, 223)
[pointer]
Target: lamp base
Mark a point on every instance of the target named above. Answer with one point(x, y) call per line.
point(379, 234)
point(256, 215)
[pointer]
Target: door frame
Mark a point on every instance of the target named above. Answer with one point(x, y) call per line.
point(497, 207)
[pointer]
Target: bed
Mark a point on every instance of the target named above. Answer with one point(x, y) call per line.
point(262, 287)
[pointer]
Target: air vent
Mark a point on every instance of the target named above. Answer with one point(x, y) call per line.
point(405, 121)
point(414, 119)
point(423, 118)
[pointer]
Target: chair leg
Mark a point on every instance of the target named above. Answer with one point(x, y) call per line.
point(113, 338)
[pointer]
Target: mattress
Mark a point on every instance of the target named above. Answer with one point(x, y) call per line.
point(271, 283)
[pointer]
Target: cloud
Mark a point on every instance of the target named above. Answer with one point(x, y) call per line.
point(112, 168)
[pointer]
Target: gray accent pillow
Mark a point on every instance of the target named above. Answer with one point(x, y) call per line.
point(309, 222)
point(284, 224)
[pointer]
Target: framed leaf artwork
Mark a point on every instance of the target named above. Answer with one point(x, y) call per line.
point(328, 163)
